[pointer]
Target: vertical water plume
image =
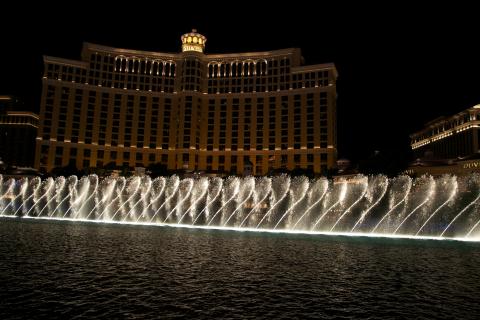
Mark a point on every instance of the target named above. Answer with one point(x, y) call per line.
point(20, 194)
point(54, 193)
point(105, 191)
point(158, 186)
point(298, 191)
point(280, 188)
point(341, 197)
point(215, 187)
point(469, 233)
point(453, 185)
point(48, 185)
point(393, 195)
point(72, 183)
point(263, 188)
point(229, 192)
point(118, 189)
point(132, 189)
point(459, 214)
point(198, 193)
point(88, 194)
point(77, 197)
point(171, 189)
point(365, 186)
point(145, 186)
point(186, 187)
point(319, 187)
point(36, 184)
point(8, 194)
point(380, 182)
point(427, 198)
point(249, 188)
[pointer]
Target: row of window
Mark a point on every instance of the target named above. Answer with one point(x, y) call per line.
point(457, 145)
point(133, 124)
point(446, 126)
point(9, 119)
point(219, 162)
point(134, 74)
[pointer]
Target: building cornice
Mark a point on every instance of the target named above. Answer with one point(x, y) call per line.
point(23, 114)
point(67, 62)
point(315, 67)
point(99, 48)
point(208, 57)
point(253, 55)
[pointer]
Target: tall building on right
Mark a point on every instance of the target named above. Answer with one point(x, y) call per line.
point(447, 145)
point(449, 137)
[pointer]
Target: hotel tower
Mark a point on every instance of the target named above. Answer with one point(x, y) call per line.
point(188, 110)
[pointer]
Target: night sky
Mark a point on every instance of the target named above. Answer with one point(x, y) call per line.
point(399, 67)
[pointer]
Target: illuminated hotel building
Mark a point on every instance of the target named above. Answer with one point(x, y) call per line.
point(447, 138)
point(188, 110)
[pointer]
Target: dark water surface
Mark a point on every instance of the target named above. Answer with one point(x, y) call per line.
point(89, 271)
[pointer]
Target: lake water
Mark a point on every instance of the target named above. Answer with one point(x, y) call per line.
point(75, 270)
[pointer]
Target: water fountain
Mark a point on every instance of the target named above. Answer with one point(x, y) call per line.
point(445, 207)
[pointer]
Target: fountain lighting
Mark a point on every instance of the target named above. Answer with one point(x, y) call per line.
point(445, 207)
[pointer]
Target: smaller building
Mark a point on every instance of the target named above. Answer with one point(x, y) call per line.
point(434, 167)
point(20, 172)
point(449, 137)
point(447, 145)
point(18, 130)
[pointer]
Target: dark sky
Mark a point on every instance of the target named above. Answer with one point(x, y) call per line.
point(399, 66)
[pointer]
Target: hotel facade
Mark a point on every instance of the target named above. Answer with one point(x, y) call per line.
point(447, 145)
point(188, 110)
point(449, 137)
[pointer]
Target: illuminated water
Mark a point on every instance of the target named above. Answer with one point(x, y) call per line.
point(427, 207)
point(76, 270)
point(240, 248)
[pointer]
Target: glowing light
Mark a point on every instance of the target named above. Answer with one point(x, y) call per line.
point(266, 203)
point(193, 42)
point(187, 226)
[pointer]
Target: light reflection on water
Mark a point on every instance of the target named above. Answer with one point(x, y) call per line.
point(84, 270)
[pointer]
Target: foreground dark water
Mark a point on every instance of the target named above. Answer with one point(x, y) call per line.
point(83, 271)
